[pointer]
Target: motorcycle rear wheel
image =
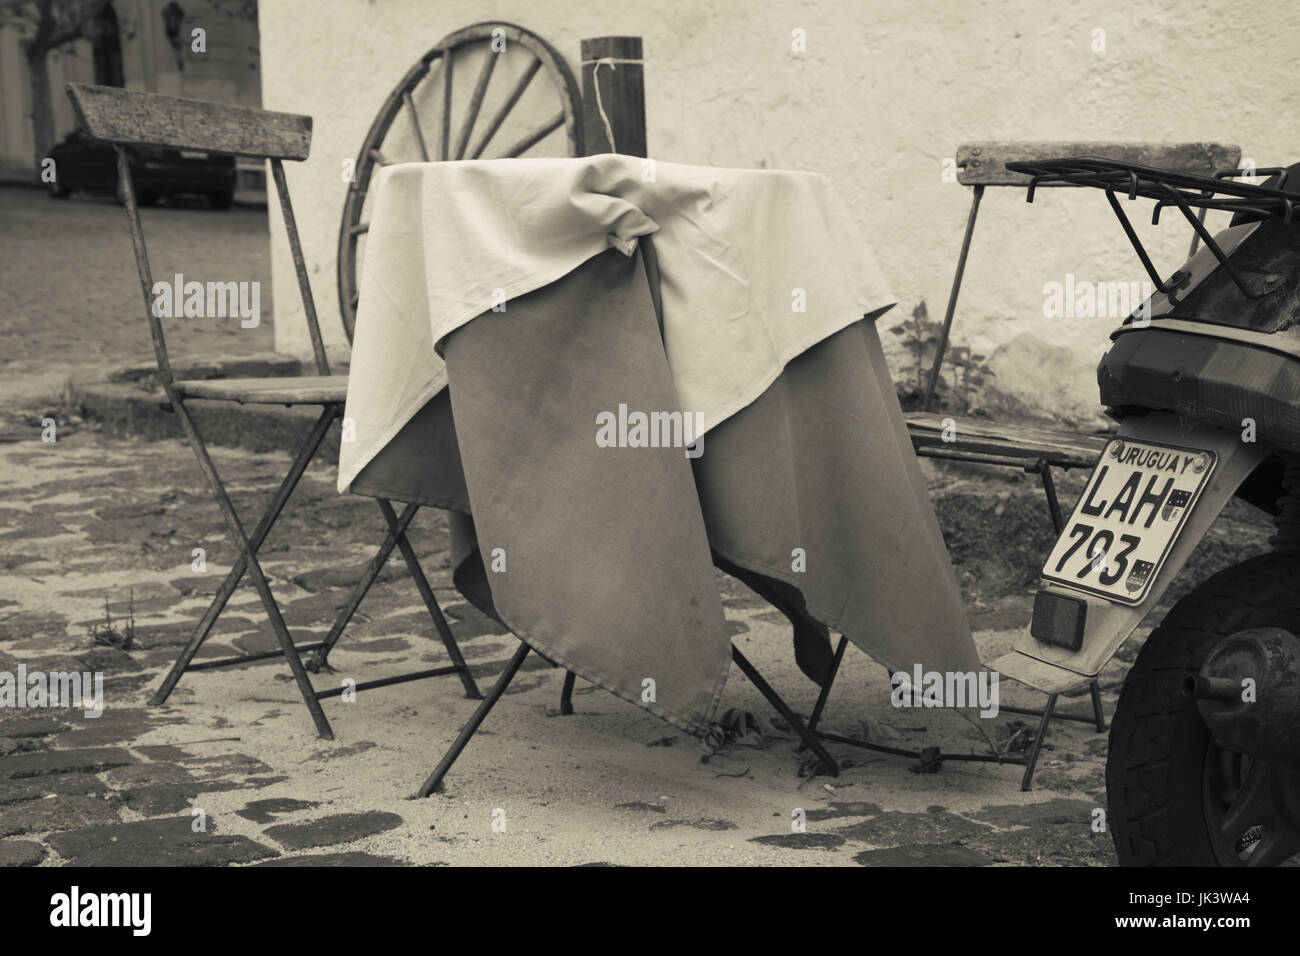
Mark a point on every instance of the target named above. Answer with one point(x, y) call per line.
point(1174, 796)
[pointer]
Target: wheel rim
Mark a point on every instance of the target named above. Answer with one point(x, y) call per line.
point(1251, 808)
point(478, 119)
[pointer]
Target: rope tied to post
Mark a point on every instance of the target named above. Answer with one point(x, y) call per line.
point(595, 65)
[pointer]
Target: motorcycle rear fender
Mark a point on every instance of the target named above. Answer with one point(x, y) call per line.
point(1055, 670)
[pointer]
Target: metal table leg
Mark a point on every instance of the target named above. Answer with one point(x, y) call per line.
point(480, 712)
point(809, 739)
point(566, 694)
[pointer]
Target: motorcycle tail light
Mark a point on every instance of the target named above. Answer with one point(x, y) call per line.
point(1059, 619)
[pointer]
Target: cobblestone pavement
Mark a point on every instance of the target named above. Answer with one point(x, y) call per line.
point(70, 295)
point(230, 772)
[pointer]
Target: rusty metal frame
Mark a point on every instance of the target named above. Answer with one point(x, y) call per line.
point(810, 741)
point(1029, 761)
point(396, 537)
point(1183, 190)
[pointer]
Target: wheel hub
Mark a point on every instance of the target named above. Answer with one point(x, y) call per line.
point(1252, 809)
point(1248, 693)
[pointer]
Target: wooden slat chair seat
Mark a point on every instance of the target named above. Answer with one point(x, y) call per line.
point(1033, 449)
point(127, 118)
point(1017, 443)
point(980, 441)
point(299, 390)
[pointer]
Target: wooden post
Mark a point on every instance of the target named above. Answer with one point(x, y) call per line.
point(612, 66)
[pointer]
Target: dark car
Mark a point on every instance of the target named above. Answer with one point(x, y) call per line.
point(90, 165)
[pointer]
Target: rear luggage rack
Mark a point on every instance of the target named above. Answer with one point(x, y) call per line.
point(1167, 188)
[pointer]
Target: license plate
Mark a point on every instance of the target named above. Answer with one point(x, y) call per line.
point(1128, 518)
point(191, 154)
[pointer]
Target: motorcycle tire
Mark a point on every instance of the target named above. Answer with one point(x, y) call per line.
point(1160, 810)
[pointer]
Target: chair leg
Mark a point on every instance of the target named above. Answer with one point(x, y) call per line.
point(396, 537)
point(1097, 711)
point(809, 739)
point(1053, 503)
point(932, 380)
point(826, 687)
point(1037, 746)
point(306, 452)
point(431, 602)
point(472, 725)
point(255, 570)
point(566, 694)
point(361, 588)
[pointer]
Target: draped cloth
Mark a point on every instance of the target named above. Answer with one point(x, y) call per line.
point(600, 555)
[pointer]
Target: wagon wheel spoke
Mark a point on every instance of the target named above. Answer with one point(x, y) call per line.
point(500, 117)
point(536, 136)
point(415, 123)
point(476, 102)
point(447, 63)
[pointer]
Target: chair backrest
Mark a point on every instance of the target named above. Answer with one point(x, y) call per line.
point(130, 118)
point(983, 164)
point(151, 119)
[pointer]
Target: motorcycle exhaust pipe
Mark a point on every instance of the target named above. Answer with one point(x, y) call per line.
point(1248, 693)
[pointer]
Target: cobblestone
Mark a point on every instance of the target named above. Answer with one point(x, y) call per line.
point(20, 853)
point(335, 859)
point(19, 766)
point(265, 811)
point(922, 856)
point(57, 812)
point(332, 830)
point(169, 841)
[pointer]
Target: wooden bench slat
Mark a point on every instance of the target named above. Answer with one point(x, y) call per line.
point(1017, 442)
point(301, 390)
point(134, 118)
point(982, 164)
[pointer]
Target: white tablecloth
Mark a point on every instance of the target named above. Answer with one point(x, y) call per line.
point(756, 267)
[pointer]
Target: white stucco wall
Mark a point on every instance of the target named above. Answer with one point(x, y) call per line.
point(885, 91)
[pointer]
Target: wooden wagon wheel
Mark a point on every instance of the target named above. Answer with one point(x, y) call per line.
point(439, 127)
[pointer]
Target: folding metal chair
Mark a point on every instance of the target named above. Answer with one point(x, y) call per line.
point(146, 119)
